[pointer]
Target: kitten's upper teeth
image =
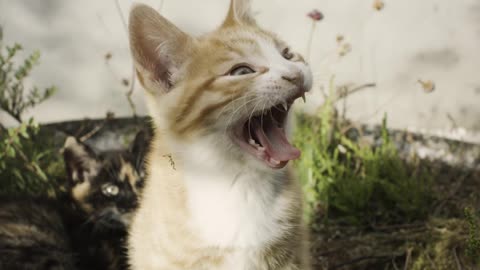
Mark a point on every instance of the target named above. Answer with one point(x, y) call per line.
point(285, 106)
point(304, 99)
point(274, 161)
point(262, 149)
point(253, 143)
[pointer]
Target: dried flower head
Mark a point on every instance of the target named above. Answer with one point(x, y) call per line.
point(315, 15)
point(378, 5)
point(110, 115)
point(340, 38)
point(125, 82)
point(427, 86)
point(344, 49)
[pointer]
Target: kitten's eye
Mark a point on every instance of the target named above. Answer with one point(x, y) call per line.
point(241, 70)
point(287, 54)
point(110, 190)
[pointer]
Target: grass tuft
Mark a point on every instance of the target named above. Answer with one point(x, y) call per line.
point(356, 183)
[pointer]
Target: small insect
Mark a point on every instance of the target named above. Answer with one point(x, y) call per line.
point(378, 5)
point(108, 56)
point(170, 159)
point(428, 86)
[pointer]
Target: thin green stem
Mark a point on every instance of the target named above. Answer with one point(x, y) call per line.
point(310, 40)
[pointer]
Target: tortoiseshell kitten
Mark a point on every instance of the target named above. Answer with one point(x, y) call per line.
point(87, 228)
point(105, 190)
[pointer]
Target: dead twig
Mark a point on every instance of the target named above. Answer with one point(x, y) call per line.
point(434, 266)
point(119, 10)
point(451, 194)
point(359, 259)
point(394, 264)
point(457, 261)
point(408, 258)
point(347, 92)
point(92, 132)
point(343, 93)
point(160, 7)
point(310, 40)
point(452, 121)
point(409, 226)
point(129, 93)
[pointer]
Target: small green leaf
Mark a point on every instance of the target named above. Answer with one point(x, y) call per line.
point(17, 173)
point(40, 172)
point(10, 152)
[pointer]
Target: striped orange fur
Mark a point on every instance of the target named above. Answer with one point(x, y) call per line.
point(219, 194)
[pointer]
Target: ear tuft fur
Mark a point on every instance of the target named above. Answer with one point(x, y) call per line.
point(158, 47)
point(239, 13)
point(140, 146)
point(80, 160)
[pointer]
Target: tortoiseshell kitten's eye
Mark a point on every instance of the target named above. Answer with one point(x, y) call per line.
point(239, 70)
point(110, 190)
point(287, 54)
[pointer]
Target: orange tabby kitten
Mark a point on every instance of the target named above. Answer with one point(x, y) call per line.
point(218, 193)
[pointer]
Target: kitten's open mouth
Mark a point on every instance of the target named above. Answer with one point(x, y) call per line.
point(263, 136)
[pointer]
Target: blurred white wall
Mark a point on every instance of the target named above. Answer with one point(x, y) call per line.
point(437, 40)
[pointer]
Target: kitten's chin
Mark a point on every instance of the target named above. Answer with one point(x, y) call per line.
point(263, 136)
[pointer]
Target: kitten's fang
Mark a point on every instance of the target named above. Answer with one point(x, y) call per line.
point(304, 99)
point(274, 161)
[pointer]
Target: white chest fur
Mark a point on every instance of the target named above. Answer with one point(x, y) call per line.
point(235, 209)
point(222, 204)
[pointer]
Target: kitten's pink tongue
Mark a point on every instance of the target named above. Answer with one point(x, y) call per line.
point(275, 142)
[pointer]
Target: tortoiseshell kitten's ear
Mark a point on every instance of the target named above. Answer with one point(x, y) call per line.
point(81, 161)
point(158, 48)
point(139, 148)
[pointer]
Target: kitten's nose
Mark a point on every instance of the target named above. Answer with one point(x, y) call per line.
point(296, 79)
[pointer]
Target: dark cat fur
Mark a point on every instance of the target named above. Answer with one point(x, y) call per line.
point(85, 229)
point(33, 235)
point(92, 178)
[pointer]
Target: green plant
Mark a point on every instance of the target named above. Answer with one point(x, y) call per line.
point(353, 183)
point(473, 242)
point(28, 161)
point(13, 98)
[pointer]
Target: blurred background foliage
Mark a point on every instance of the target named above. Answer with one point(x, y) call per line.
point(354, 183)
point(372, 207)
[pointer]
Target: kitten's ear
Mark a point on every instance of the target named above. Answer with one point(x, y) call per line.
point(239, 13)
point(158, 48)
point(140, 145)
point(80, 161)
